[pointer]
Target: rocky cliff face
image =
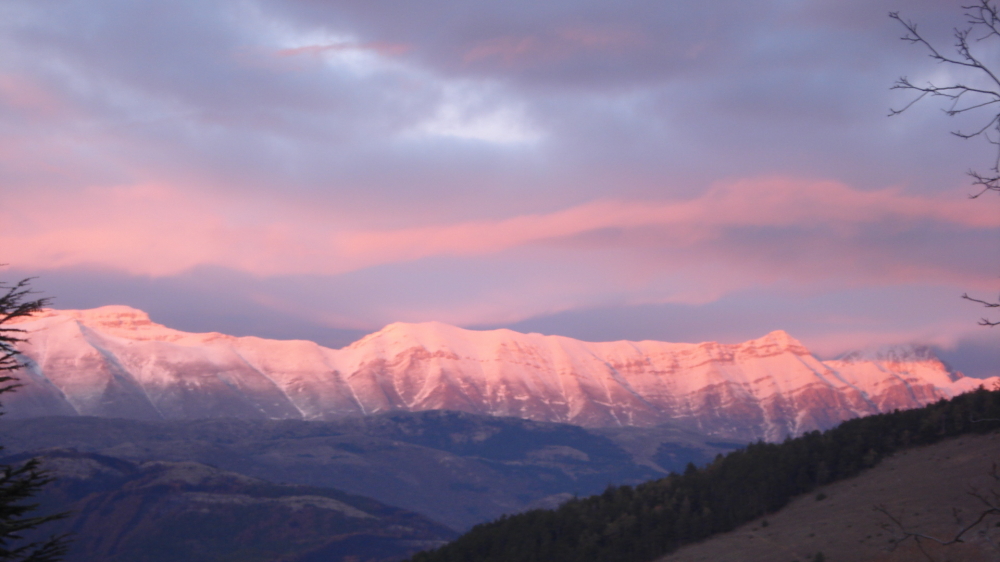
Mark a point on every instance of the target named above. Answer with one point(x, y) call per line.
point(115, 362)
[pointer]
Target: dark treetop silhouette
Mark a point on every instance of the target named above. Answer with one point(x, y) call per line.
point(18, 484)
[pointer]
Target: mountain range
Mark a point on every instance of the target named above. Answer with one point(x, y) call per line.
point(114, 361)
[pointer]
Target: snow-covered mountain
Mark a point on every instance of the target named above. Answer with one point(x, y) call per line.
point(115, 362)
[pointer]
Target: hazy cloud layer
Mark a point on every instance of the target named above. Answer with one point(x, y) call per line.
point(339, 165)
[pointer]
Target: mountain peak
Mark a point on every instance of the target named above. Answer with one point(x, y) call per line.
point(103, 315)
point(781, 337)
point(112, 314)
point(776, 342)
point(120, 321)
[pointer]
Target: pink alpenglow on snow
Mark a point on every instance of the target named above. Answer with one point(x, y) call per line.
point(115, 362)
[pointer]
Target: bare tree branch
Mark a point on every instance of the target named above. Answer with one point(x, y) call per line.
point(987, 304)
point(990, 509)
point(983, 20)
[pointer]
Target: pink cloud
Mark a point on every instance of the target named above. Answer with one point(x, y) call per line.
point(772, 202)
point(150, 229)
point(25, 94)
point(161, 230)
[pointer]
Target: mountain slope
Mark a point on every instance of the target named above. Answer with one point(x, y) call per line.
point(167, 511)
point(115, 362)
point(456, 468)
point(921, 485)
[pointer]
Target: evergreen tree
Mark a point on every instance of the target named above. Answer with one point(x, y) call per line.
point(18, 484)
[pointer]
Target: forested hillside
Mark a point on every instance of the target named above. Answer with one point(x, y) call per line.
point(634, 524)
point(468, 469)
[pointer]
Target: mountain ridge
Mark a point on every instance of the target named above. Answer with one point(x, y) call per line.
point(163, 511)
point(116, 362)
point(457, 468)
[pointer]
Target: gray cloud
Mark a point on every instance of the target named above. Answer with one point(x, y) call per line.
point(701, 90)
point(401, 114)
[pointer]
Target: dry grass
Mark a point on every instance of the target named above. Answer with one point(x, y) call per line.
point(920, 486)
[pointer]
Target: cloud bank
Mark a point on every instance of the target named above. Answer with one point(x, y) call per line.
point(579, 167)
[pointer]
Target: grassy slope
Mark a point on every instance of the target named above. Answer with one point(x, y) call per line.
point(921, 484)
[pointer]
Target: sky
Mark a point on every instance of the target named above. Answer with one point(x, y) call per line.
point(680, 171)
